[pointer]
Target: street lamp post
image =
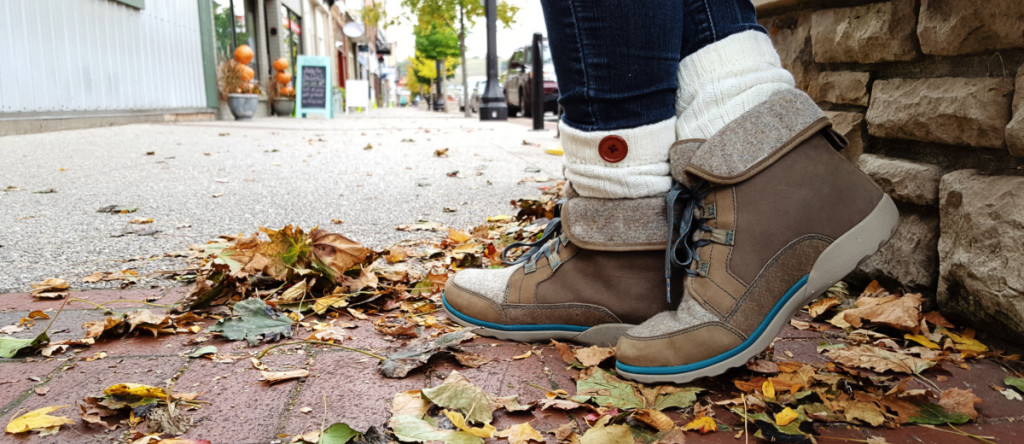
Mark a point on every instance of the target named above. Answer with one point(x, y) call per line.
point(439, 98)
point(492, 103)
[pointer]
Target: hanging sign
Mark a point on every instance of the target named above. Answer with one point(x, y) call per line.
point(313, 87)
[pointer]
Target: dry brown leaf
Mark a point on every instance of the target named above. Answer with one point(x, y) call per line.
point(593, 356)
point(52, 288)
point(901, 313)
point(563, 431)
point(396, 327)
point(817, 308)
point(337, 251)
point(762, 366)
point(409, 403)
point(523, 356)
point(521, 434)
point(961, 401)
point(275, 377)
point(878, 359)
point(654, 418)
point(936, 319)
point(565, 352)
point(471, 360)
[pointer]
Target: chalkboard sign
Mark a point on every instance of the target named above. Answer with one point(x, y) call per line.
point(313, 86)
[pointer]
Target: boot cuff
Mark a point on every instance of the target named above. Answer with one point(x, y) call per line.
point(751, 142)
point(616, 224)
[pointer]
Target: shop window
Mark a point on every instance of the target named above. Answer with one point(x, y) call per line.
point(291, 36)
point(235, 24)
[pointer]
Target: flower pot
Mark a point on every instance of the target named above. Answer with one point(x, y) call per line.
point(243, 106)
point(283, 106)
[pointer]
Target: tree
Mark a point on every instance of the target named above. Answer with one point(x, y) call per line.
point(457, 16)
point(438, 44)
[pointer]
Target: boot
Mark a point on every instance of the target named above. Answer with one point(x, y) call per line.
point(598, 271)
point(772, 217)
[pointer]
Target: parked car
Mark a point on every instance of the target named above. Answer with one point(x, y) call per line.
point(476, 90)
point(519, 85)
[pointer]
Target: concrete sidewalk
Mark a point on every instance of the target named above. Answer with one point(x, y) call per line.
point(201, 180)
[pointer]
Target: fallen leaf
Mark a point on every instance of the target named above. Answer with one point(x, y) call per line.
point(602, 433)
point(52, 288)
point(523, 356)
point(141, 221)
point(336, 251)
point(471, 360)
point(254, 321)
point(203, 351)
point(456, 392)
point(565, 352)
point(820, 306)
point(959, 401)
point(878, 359)
point(593, 356)
point(459, 421)
point(418, 352)
point(412, 429)
point(521, 434)
point(275, 377)
point(138, 390)
point(1017, 383)
point(9, 347)
point(607, 390)
point(563, 431)
point(921, 339)
point(768, 388)
point(893, 311)
point(786, 416)
point(37, 420)
point(410, 403)
point(868, 413)
point(934, 414)
point(338, 433)
point(654, 418)
point(702, 424)
point(42, 391)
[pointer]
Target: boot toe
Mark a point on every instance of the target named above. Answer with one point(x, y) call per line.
point(476, 295)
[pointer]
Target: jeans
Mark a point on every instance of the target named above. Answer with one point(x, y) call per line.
point(616, 61)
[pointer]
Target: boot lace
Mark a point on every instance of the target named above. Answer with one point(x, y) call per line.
point(686, 219)
point(541, 246)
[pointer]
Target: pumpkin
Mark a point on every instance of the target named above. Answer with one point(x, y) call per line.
point(243, 54)
point(288, 91)
point(283, 78)
point(281, 64)
point(247, 73)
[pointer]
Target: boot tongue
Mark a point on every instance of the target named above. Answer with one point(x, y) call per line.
point(750, 143)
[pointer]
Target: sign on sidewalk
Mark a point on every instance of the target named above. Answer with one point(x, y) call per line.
point(313, 87)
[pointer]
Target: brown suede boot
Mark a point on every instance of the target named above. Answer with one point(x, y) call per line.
point(598, 274)
point(778, 216)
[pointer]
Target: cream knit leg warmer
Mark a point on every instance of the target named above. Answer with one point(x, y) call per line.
point(725, 79)
point(643, 172)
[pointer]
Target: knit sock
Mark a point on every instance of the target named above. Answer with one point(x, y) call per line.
point(643, 172)
point(725, 79)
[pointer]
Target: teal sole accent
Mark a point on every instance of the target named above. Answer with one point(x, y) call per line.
point(679, 369)
point(518, 327)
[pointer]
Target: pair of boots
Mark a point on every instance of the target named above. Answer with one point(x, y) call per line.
point(763, 216)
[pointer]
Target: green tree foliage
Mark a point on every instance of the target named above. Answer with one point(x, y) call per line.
point(457, 16)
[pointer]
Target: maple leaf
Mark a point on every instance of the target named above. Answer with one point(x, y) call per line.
point(901, 313)
point(38, 420)
point(255, 321)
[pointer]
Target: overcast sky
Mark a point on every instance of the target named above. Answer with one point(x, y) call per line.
point(529, 20)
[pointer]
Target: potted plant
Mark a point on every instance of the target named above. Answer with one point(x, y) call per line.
point(284, 101)
point(236, 85)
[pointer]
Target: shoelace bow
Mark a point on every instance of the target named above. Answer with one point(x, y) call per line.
point(537, 247)
point(684, 221)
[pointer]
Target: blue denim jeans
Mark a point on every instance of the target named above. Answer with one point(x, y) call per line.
point(616, 60)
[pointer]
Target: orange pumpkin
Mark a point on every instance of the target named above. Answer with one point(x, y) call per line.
point(287, 91)
point(281, 64)
point(243, 54)
point(283, 78)
point(246, 72)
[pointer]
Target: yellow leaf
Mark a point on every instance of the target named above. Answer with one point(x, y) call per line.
point(142, 391)
point(552, 394)
point(523, 356)
point(327, 302)
point(457, 236)
point(920, 339)
point(786, 416)
point(521, 434)
point(768, 389)
point(499, 218)
point(654, 418)
point(964, 343)
point(702, 424)
point(37, 420)
point(487, 431)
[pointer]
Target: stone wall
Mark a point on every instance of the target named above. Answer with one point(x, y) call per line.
point(930, 94)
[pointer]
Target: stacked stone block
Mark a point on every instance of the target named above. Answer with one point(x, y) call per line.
point(930, 94)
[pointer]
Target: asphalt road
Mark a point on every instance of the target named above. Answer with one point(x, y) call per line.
point(197, 181)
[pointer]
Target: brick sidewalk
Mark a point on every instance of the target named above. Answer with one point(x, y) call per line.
point(244, 409)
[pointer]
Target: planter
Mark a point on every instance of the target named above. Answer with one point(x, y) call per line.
point(243, 106)
point(283, 106)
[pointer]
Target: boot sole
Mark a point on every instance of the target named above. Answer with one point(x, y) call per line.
point(838, 260)
point(603, 335)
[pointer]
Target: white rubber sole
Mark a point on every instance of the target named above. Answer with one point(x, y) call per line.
point(837, 261)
